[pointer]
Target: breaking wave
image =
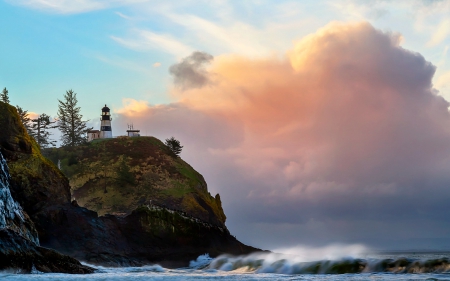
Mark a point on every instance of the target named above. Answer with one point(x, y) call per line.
point(334, 259)
point(331, 263)
point(259, 264)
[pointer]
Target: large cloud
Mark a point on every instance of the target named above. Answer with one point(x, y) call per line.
point(343, 139)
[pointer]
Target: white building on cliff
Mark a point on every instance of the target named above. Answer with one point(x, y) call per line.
point(132, 132)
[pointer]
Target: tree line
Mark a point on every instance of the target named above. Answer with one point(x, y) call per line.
point(69, 122)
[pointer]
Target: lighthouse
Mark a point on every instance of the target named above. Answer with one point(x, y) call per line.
point(105, 127)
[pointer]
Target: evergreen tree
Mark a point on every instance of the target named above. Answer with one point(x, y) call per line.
point(72, 128)
point(4, 96)
point(40, 130)
point(123, 173)
point(174, 145)
point(23, 114)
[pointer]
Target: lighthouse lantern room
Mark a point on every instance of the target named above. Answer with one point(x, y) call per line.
point(105, 127)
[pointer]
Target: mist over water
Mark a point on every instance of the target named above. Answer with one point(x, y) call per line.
point(332, 262)
point(302, 253)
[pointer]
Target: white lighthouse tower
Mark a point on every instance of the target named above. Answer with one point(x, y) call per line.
point(105, 127)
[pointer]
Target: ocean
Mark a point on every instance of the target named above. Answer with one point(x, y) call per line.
point(387, 266)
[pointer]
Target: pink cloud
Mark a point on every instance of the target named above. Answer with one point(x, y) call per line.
point(346, 119)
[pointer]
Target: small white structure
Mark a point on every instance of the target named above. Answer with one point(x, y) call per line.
point(93, 135)
point(131, 132)
point(105, 126)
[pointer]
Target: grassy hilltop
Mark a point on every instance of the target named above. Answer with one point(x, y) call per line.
point(115, 176)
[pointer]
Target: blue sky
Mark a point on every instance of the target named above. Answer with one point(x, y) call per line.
point(282, 181)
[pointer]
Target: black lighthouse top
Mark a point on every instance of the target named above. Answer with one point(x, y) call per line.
point(105, 113)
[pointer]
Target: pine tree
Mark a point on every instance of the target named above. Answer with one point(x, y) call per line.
point(174, 145)
point(40, 130)
point(72, 128)
point(124, 175)
point(23, 114)
point(4, 96)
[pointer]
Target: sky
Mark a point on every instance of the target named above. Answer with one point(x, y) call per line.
point(318, 122)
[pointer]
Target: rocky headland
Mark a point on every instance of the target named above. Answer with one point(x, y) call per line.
point(115, 176)
point(154, 207)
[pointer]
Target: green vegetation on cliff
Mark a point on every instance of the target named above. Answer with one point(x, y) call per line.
point(115, 176)
point(41, 183)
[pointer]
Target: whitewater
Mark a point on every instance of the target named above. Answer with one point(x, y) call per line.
point(271, 266)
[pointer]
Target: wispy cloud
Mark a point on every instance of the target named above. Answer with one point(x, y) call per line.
point(123, 16)
point(147, 40)
point(231, 35)
point(72, 6)
point(441, 33)
point(360, 10)
point(226, 32)
point(123, 63)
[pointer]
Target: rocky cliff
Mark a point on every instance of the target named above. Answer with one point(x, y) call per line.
point(149, 233)
point(115, 176)
point(12, 216)
point(19, 242)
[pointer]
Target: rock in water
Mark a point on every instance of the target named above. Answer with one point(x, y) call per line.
point(11, 214)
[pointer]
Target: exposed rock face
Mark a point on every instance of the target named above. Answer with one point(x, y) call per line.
point(18, 253)
point(148, 234)
point(11, 215)
point(19, 243)
point(157, 232)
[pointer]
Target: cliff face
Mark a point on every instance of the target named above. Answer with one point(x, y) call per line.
point(35, 182)
point(19, 243)
point(147, 234)
point(11, 214)
point(150, 234)
point(115, 176)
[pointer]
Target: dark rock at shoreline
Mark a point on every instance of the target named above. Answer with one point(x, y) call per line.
point(19, 243)
point(149, 235)
point(22, 255)
point(155, 232)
